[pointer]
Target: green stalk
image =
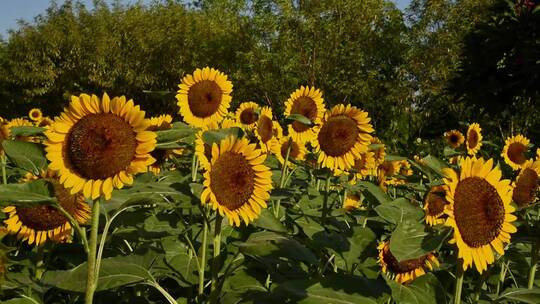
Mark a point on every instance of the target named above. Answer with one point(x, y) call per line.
point(326, 194)
point(40, 265)
point(203, 256)
point(502, 276)
point(194, 168)
point(282, 179)
point(459, 282)
point(534, 263)
point(4, 175)
point(215, 261)
point(91, 279)
point(80, 232)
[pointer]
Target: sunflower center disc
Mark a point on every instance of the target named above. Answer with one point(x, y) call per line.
point(338, 135)
point(436, 203)
point(100, 145)
point(295, 150)
point(304, 106)
point(516, 153)
point(232, 180)
point(454, 139)
point(46, 217)
point(248, 117)
point(526, 186)
point(472, 139)
point(478, 210)
point(405, 266)
point(264, 128)
point(204, 98)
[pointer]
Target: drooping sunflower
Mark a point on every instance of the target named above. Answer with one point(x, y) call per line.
point(386, 173)
point(308, 102)
point(297, 152)
point(247, 114)
point(378, 149)
point(264, 130)
point(35, 114)
point(353, 202)
point(364, 166)
point(474, 139)
point(97, 145)
point(514, 151)
point(526, 184)
point(204, 97)
point(237, 183)
point(407, 270)
point(342, 137)
point(454, 138)
point(159, 123)
point(434, 204)
point(479, 211)
point(37, 224)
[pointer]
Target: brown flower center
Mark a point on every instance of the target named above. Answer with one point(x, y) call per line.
point(46, 217)
point(526, 187)
point(472, 139)
point(264, 128)
point(100, 145)
point(204, 98)
point(35, 114)
point(436, 201)
point(516, 153)
point(232, 180)
point(304, 106)
point(405, 266)
point(454, 139)
point(248, 116)
point(478, 211)
point(295, 150)
point(338, 135)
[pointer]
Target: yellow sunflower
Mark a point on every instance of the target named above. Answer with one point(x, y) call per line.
point(298, 150)
point(20, 122)
point(4, 134)
point(434, 204)
point(44, 122)
point(204, 97)
point(405, 168)
point(474, 139)
point(247, 115)
point(514, 151)
point(35, 114)
point(407, 270)
point(342, 137)
point(479, 211)
point(264, 130)
point(98, 145)
point(526, 184)
point(364, 166)
point(454, 138)
point(237, 183)
point(378, 150)
point(159, 123)
point(308, 102)
point(37, 224)
point(353, 202)
point(277, 130)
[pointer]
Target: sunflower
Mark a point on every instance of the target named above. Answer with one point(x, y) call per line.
point(353, 202)
point(342, 137)
point(527, 184)
point(298, 150)
point(277, 130)
point(4, 134)
point(37, 224)
point(364, 165)
point(20, 122)
point(378, 149)
point(454, 138)
point(98, 145)
point(202, 149)
point(514, 151)
point(474, 139)
point(434, 204)
point(237, 183)
point(35, 114)
point(204, 96)
point(308, 102)
point(44, 122)
point(159, 123)
point(264, 130)
point(247, 114)
point(479, 211)
point(405, 168)
point(407, 270)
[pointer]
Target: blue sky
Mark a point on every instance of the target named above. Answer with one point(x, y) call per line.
point(12, 10)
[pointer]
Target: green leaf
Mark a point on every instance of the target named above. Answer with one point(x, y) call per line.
point(374, 190)
point(281, 194)
point(300, 118)
point(410, 240)
point(524, 295)
point(398, 210)
point(177, 257)
point(21, 301)
point(435, 164)
point(175, 137)
point(424, 290)
point(362, 240)
point(27, 156)
point(216, 136)
point(268, 221)
point(389, 157)
point(28, 194)
point(449, 152)
point(26, 131)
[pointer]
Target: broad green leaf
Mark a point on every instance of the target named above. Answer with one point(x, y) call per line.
point(374, 190)
point(178, 257)
point(28, 194)
point(398, 210)
point(268, 221)
point(361, 242)
point(22, 301)
point(25, 155)
point(449, 152)
point(298, 117)
point(434, 164)
point(424, 290)
point(309, 226)
point(410, 240)
point(176, 137)
point(389, 157)
point(216, 136)
point(26, 131)
point(523, 295)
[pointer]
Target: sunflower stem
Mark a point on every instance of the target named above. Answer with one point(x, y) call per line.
point(203, 256)
point(502, 276)
point(216, 260)
point(194, 168)
point(4, 175)
point(325, 201)
point(40, 265)
point(459, 282)
point(282, 179)
point(80, 232)
point(91, 279)
point(534, 263)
